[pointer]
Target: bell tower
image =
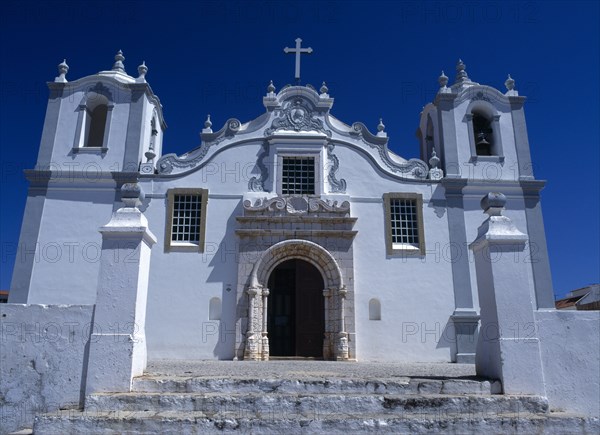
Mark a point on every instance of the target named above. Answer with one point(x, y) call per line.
point(478, 132)
point(108, 120)
point(479, 136)
point(100, 132)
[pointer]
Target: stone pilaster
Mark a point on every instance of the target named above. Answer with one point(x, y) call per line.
point(464, 318)
point(118, 341)
point(327, 353)
point(265, 333)
point(342, 353)
point(254, 333)
point(508, 347)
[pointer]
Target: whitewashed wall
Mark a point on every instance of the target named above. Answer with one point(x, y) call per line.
point(418, 291)
point(571, 359)
point(42, 360)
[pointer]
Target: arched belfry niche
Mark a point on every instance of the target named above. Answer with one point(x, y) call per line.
point(338, 301)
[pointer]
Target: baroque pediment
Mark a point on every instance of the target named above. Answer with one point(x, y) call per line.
point(296, 111)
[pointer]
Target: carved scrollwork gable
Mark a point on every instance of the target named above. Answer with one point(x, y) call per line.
point(335, 185)
point(170, 162)
point(296, 109)
point(297, 115)
point(415, 167)
point(257, 184)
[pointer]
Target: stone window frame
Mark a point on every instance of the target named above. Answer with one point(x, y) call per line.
point(170, 246)
point(300, 154)
point(415, 250)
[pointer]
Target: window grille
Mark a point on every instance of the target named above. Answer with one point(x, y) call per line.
point(298, 176)
point(404, 222)
point(187, 211)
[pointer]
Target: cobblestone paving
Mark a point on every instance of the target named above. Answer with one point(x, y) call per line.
point(307, 369)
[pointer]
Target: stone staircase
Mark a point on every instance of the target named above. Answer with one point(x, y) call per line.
point(311, 402)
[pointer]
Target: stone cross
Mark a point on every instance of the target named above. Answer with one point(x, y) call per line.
point(298, 50)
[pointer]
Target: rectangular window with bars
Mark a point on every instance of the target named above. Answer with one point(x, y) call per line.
point(298, 176)
point(186, 218)
point(404, 223)
point(403, 220)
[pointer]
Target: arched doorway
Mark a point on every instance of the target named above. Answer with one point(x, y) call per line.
point(338, 300)
point(296, 315)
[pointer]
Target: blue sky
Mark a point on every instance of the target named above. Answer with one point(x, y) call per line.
point(380, 59)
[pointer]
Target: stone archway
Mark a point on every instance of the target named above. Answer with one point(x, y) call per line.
point(335, 340)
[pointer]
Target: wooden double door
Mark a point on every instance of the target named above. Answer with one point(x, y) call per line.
point(296, 315)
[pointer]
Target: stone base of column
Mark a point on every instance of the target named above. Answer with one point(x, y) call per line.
point(342, 347)
point(265, 347)
point(114, 360)
point(466, 328)
point(251, 352)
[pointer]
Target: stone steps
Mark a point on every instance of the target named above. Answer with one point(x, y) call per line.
point(167, 423)
point(303, 402)
point(306, 405)
point(397, 385)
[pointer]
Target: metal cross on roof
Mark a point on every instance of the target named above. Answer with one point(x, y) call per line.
point(298, 51)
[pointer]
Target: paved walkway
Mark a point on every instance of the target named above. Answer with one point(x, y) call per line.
point(302, 369)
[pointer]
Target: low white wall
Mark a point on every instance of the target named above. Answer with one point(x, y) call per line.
point(571, 359)
point(42, 360)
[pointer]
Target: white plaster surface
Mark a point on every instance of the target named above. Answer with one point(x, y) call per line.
point(42, 360)
point(569, 342)
point(116, 357)
point(68, 245)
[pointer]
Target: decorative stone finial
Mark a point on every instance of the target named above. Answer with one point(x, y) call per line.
point(118, 65)
point(461, 72)
point(434, 161)
point(63, 69)
point(207, 125)
point(435, 173)
point(493, 203)
point(150, 154)
point(142, 70)
point(381, 128)
point(509, 83)
point(443, 80)
point(324, 89)
point(510, 86)
point(131, 194)
point(271, 87)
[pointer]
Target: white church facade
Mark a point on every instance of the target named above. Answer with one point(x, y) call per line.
point(294, 234)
